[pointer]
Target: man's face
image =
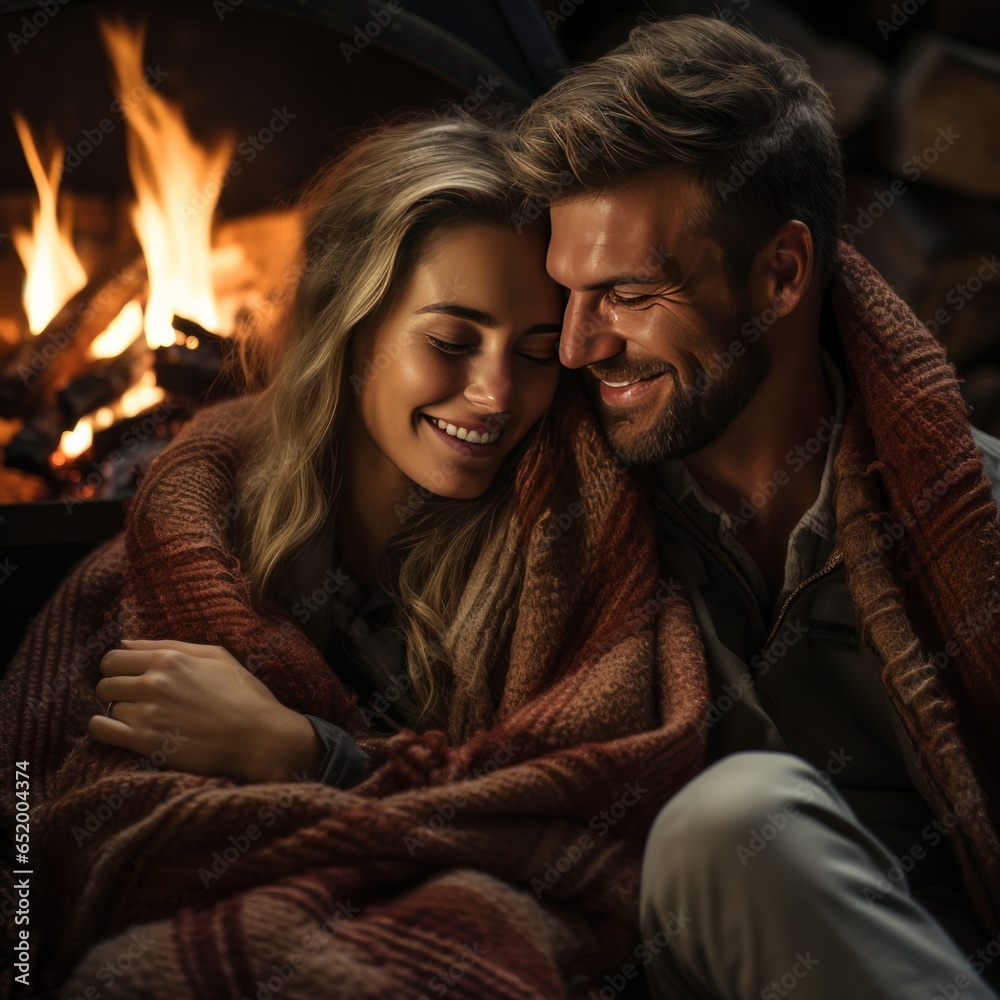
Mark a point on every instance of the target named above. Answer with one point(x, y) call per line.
point(650, 311)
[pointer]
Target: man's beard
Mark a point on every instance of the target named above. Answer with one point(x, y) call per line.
point(691, 417)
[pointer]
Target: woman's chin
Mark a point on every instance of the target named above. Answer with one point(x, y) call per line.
point(461, 488)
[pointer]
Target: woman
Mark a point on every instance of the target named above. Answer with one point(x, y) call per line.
point(422, 349)
point(547, 702)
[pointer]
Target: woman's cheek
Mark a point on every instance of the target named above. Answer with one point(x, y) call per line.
point(426, 379)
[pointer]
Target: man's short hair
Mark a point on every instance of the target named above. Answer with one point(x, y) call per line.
point(696, 92)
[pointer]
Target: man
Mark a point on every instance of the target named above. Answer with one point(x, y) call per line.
point(819, 492)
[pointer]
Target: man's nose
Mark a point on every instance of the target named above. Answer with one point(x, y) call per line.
point(587, 334)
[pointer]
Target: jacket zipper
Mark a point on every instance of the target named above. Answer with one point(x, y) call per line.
point(835, 559)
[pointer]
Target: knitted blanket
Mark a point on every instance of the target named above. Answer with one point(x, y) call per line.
point(920, 532)
point(478, 861)
point(498, 859)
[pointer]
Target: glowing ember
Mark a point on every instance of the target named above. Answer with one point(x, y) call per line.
point(53, 271)
point(177, 186)
point(104, 417)
point(78, 440)
point(142, 395)
point(121, 331)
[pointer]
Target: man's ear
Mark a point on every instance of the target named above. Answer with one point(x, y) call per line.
point(782, 272)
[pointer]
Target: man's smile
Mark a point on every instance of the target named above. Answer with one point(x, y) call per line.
point(627, 386)
point(629, 391)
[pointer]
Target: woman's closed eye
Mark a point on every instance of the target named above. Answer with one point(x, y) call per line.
point(447, 346)
point(452, 349)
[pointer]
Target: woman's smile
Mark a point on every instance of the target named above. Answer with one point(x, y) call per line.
point(471, 439)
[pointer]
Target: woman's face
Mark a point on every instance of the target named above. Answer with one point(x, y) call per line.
point(465, 361)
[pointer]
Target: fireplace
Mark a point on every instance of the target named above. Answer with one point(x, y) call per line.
point(152, 156)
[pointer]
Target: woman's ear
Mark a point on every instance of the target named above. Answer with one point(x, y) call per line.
point(782, 272)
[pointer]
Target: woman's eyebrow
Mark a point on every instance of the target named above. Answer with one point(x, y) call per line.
point(460, 312)
point(482, 318)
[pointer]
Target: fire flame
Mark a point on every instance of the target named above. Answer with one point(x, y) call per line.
point(143, 394)
point(78, 440)
point(120, 332)
point(53, 271)
point(177, 184)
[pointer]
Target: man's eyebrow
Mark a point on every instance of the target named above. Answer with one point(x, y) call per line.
point(481, 318)
point(624, 279)
point(668, 272)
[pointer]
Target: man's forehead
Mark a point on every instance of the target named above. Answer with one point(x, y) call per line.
point(631, 226)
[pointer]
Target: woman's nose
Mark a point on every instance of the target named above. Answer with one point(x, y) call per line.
point(492, 384)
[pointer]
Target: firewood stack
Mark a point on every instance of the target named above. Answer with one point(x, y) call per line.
point(30, 373)
point(940, 246)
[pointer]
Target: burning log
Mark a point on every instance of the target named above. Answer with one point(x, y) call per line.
point(103, 384)
point(11, 335)
point(29, 449)
point(42, 364)
point(194, 369)
point(110, 466)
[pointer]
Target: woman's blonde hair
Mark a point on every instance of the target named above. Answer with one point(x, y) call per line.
point(367, 216)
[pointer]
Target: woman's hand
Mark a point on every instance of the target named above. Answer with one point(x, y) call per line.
point(202, 709)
